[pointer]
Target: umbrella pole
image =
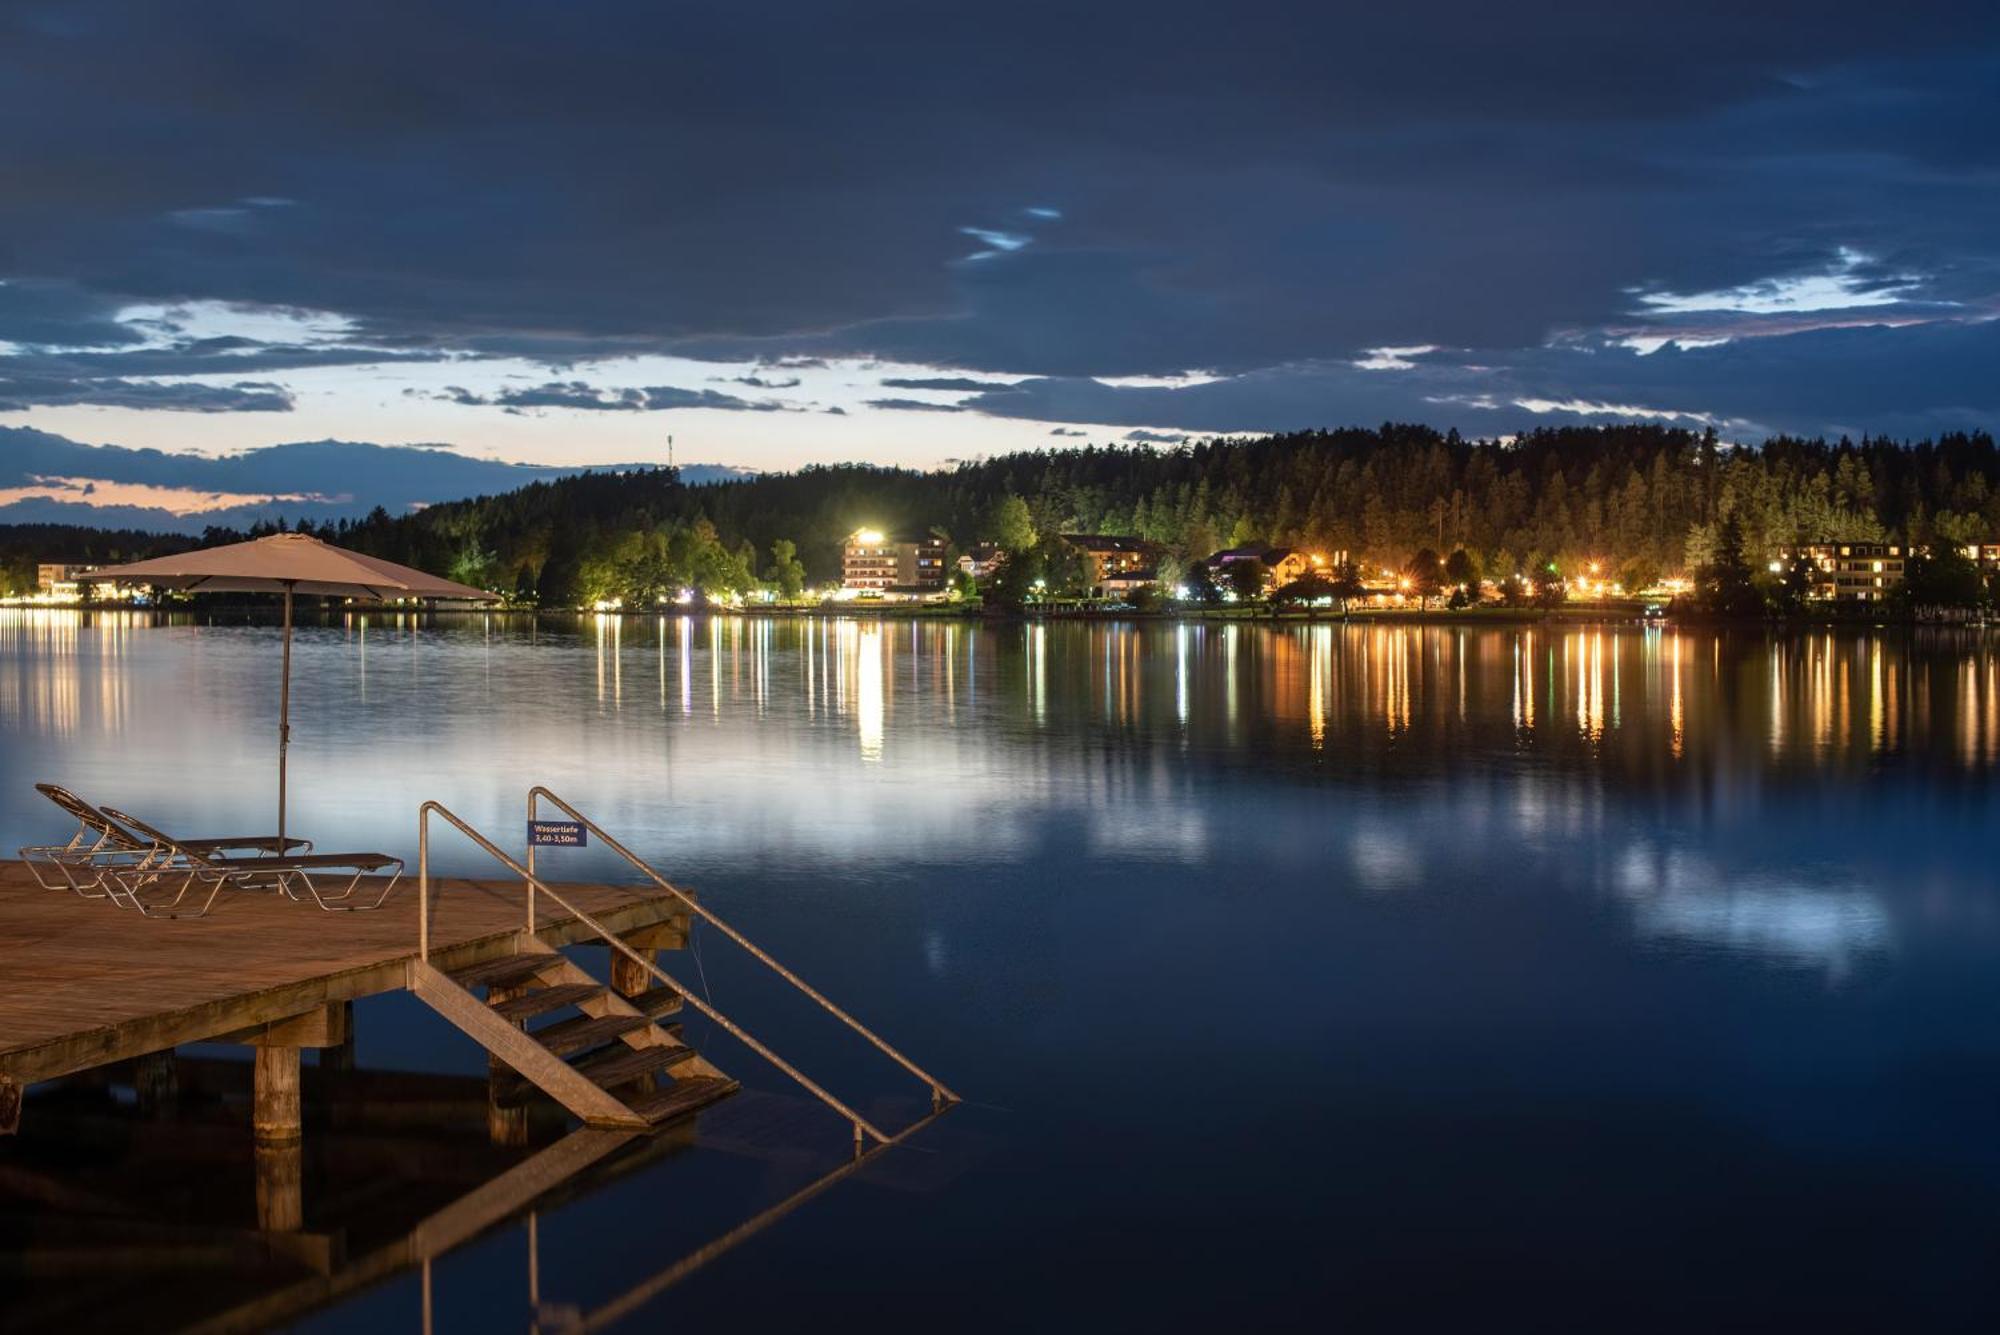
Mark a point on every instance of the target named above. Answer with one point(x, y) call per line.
point(284, 716)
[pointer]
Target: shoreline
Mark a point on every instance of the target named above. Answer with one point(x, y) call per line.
point(1592, 614)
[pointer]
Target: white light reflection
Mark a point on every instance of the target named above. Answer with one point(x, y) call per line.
point(870, 708)
point(1677, 897)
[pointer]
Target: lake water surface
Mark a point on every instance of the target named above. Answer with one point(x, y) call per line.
point(1298, 976)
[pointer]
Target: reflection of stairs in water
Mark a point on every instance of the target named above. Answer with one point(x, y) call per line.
point(605, 1057)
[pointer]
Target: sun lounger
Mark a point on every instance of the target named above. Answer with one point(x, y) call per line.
point(101, 844)
point(188, 866)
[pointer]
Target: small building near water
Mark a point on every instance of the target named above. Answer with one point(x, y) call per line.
point(1282, 565)
point(981, 559)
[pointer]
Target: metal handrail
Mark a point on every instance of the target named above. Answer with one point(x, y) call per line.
point(424, 813)
point(939, 1092)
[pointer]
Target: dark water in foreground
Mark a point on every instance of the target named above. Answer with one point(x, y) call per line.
point(1299, 977)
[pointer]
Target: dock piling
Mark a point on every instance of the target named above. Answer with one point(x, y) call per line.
point(275, 1096)
point(156, 1081)
point(340, 1057)
point(280, 1187)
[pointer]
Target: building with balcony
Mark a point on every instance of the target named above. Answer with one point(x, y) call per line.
point(1854, 572)
point(1115, 560)
point(877, 562)
point(1117, 564)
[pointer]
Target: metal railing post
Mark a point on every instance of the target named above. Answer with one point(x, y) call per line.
point(424, 881)
point(531, 865)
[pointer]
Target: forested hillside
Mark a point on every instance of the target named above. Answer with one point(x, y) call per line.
point(24, 546)
point(1611, 495)
point(1570, 495)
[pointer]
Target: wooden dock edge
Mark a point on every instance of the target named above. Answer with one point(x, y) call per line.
point(220, 1019)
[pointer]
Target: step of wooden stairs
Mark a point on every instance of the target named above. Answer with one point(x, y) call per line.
point(596, 1053)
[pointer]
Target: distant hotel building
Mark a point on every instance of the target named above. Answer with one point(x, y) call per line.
point(1282, 565)
point(1854, 572)
point(1863, 572)
point(54, 577)
point(1868, 572)
point(875, 562)
point(1117, 565)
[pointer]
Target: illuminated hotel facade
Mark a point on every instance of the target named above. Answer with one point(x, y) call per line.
point(58, 578)
point(1117, 564)
point(1868, 572)
point(876, 562)
point(1855, 572)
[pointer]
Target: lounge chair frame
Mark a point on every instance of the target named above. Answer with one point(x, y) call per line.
point(181, 867)
point(101, 846)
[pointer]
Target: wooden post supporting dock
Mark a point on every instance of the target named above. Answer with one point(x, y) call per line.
point(274, 1113)
point(156, 1081)
point(628, 978)
point(280, 1187)
point(340, 1057)
point(10, 1107)
point(279, 1131)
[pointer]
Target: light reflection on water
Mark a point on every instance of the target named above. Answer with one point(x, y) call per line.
point(1723, 871)
point(858, 737)
point(861, 738)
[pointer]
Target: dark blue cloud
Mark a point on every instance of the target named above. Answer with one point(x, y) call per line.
point(584, 396)
point(915, 406)
point(661, 397)
point(945, 383)
point(1850, 381)
point(1062, 192)
point(21, 392)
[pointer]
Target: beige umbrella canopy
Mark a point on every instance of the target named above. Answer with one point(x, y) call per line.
point(286, 563)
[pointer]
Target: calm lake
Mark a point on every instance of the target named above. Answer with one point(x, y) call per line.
point(1297, 976)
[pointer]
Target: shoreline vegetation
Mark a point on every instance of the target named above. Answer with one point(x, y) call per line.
point(1506, 528)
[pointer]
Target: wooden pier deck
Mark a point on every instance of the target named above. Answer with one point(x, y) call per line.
point(83, 983)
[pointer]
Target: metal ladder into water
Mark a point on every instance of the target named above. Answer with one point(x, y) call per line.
point(603, 1062)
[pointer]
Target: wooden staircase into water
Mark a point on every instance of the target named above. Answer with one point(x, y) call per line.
point(606, 1062)
point(605, 1057)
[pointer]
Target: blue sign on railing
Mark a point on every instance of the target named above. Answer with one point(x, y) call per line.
point(557, 834)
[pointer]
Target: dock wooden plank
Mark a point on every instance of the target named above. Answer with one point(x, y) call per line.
point(88, 983)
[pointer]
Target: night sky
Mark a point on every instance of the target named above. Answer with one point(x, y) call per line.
point(917, 232)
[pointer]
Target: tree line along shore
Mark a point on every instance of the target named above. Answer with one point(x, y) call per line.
point(1637, 505)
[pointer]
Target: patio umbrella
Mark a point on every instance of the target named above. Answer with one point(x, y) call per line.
point(286, 563)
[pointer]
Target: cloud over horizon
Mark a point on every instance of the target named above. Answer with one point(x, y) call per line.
point(1776, 218)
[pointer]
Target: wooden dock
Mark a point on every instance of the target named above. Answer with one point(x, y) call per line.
point(86, 983)
point(94, 1000)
